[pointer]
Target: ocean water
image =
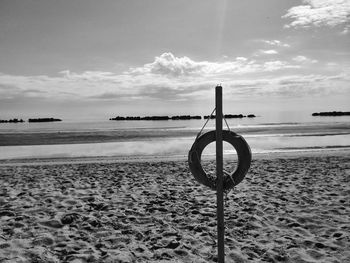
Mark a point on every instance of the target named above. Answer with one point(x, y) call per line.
point(168, 138)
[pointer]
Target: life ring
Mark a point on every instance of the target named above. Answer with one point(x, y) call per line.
point(230, 180)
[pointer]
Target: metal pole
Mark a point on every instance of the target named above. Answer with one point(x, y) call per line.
point(219, 174)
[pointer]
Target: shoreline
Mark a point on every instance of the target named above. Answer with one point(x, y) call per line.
point(155, 158)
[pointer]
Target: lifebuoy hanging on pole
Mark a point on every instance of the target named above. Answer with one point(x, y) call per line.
point(230, 180)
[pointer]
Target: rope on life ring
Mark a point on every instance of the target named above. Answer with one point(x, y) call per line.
point(230, 180)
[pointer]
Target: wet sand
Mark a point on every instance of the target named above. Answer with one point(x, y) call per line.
point(290, 209)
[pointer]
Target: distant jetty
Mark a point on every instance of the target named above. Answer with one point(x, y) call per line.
point(186, 117)
point(12, 121)
point(332, 113)
point(155, 118)
point(178, 117)
point(44, 120)
point(232, 116)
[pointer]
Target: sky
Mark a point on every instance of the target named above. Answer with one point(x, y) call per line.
point(99, 59)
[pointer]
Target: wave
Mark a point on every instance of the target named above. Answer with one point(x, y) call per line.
point(318, 134)
point(315, 147)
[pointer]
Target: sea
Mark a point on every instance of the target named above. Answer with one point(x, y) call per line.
point(170, 138)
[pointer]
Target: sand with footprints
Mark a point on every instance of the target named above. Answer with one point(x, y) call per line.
point(293, 209)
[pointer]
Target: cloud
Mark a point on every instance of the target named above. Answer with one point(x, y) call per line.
point(168, 65)
point(269, 52)
point(180, 78)
point(7, 91)
point(319, 13)
point(277, 65)
point(346, 30)
point(276, 43)
point(241, 59)
point(296, 86)
point(303, 59)
point(312, 85)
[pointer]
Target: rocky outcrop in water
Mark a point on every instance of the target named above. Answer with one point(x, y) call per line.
point(44, 120)
point(332, 113)
point(137, 118)
point(154, 118)
point(177, 117)
point(15, 120)
point(231, 116)
point(186, 117)
point(234, 116)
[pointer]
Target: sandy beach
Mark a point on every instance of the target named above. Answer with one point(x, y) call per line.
point(289, 209)
point(104, 103)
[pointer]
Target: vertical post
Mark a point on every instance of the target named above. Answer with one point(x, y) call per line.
point(219, 174)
